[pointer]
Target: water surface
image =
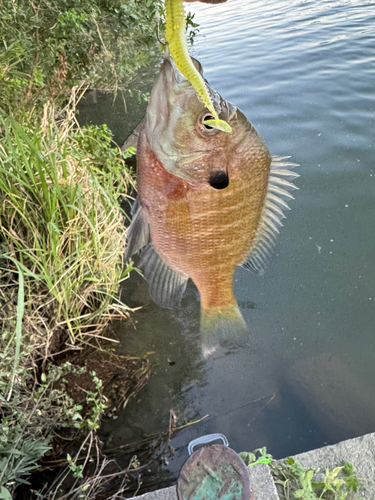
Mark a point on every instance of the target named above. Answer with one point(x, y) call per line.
point(303, 73)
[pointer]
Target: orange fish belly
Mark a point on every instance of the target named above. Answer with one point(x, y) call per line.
point(198, 230)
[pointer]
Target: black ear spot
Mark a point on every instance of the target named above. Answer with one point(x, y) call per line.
point(219, 180)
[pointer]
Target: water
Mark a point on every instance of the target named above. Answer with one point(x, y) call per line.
point(303, 73)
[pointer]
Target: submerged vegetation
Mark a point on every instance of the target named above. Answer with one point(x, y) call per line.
point(62, 234)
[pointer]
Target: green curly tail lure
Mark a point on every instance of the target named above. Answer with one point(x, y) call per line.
point(175, 33)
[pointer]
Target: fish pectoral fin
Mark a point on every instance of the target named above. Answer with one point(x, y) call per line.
point(166, 286)
point(139, 231)
point(278, 193)
point(135, 207)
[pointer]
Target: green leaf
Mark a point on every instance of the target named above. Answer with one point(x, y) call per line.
point(248, 458)
point(318, 485)
point(299, 493)
point(348, 468)
point(332, 474)
point(307, 477)
point(4, 494)
point(129, 152)
point(352, 483)
point(295, 467)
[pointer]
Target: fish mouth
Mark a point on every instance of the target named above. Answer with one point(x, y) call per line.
point(171, 65)
point(179, 84)
point(219, 179)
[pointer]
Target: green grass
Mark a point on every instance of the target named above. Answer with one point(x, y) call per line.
point(62, 232)
point(295, 482)
point(62, 237)
point(61, 227)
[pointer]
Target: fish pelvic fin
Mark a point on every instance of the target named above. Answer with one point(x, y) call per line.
point(222, 326)
point(166, 286)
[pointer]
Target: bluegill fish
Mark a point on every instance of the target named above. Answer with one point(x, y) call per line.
point(208, 200)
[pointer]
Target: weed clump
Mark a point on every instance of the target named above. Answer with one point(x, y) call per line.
point(62, 236)
point(295, 482)
point(61, 229)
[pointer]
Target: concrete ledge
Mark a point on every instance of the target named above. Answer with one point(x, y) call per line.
point(359, 451)
point(262, 483)
point(164, 494)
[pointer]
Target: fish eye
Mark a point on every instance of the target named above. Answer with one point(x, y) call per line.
point(207, 117)
point(204, 127)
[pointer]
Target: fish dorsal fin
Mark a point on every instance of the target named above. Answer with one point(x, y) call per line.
point(165, 286)
point(138, 234)
point(278, 194)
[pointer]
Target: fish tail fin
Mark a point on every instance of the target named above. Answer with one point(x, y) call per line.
point(222, 326)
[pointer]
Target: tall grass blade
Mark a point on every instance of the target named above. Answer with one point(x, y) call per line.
point(18, 332)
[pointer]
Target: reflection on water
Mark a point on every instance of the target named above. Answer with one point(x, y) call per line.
point(303, 73)
point(123, 111)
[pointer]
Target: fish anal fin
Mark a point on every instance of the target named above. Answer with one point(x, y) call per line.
point(138, 235)
point(165, 285)
point(279, 187)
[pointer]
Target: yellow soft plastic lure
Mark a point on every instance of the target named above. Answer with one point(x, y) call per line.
point(175, 33)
